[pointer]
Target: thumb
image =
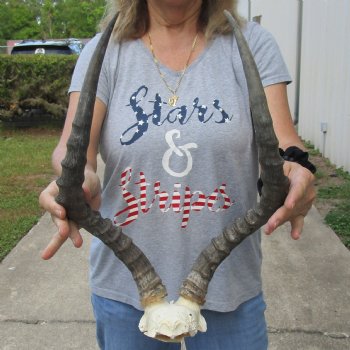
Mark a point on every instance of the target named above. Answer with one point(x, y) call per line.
point(92, 190)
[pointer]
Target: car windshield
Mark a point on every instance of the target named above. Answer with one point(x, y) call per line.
point(47, 48)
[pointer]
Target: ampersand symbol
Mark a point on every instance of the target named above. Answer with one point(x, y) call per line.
point(179, 151)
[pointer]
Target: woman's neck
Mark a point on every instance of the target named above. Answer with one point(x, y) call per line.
point(173, 28)
point(174, 16)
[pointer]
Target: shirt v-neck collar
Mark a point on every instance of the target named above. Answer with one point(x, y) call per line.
point(170, 71)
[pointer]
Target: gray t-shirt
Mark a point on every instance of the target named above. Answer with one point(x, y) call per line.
point(176, 176)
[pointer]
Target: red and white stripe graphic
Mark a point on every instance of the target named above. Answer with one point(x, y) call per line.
point(132, 201)
point(163, 197)
point(214, 197)
point(143, 193)
point(178, 202)
point(201, 201)
point(186, 208)
point(176, 199)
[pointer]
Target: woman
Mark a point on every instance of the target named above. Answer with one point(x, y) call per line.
point(172, 124)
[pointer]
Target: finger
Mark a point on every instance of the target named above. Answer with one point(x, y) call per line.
point(58, 238)
point(69, 229)
point(75, 235)
point(87, 192)
point(54, 245)
point(296, 194)
point(91, 183)
point(301, 188)
point(47, 201)
point(297, 226)
point(62, 226)
point(66, 229)
point(279, 217)
point(295, 203)
point(92, 191)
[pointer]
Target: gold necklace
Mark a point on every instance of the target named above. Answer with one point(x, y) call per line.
point(174, 97)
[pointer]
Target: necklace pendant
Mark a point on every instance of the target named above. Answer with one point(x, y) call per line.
point(173, 100)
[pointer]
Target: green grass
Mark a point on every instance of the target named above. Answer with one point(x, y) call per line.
point(311, 148)
point(25, 169)
point(341, 192)
point(338, 218)
point(335, 192)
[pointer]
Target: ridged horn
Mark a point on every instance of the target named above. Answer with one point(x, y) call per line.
point(71, 195)
point(274, 191)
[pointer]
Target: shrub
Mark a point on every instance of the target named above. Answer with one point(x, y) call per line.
point(33, 88)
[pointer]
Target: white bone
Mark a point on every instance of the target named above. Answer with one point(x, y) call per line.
point(172, 322)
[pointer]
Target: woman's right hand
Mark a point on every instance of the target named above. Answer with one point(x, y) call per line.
point(66, 228)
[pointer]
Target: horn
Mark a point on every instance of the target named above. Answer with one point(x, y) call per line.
point(274, 191)
point(71, 195)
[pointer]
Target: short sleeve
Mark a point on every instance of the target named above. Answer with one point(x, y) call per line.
point(267, 55)
point(81, 69)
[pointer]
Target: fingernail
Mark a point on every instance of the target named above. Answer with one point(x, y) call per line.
point(296, 236)
point(267, 231)
point(271, 228)
point(58, 213)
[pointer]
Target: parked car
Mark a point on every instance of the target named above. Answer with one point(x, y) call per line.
point(48, 47)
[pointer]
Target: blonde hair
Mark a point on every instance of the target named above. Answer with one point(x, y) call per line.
point(133, 20)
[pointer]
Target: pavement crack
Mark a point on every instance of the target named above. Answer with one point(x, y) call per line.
point(334, 335)
point(271, 330)
point(43, 322)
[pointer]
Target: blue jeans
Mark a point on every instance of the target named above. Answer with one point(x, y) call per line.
point(242, 329)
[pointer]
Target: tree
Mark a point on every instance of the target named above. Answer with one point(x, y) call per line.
point(45, 19)
point(79, 18)
point(17, 20)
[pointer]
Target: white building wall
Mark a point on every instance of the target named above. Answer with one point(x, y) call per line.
point(280, 17)
point(324, 96)
point(325, 78)
point(243, 8)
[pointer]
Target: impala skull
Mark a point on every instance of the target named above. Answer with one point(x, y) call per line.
point(172, 322)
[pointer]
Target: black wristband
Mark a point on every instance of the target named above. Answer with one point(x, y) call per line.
point(293, 154)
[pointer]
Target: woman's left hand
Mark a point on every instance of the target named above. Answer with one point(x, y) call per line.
point(298, 202)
